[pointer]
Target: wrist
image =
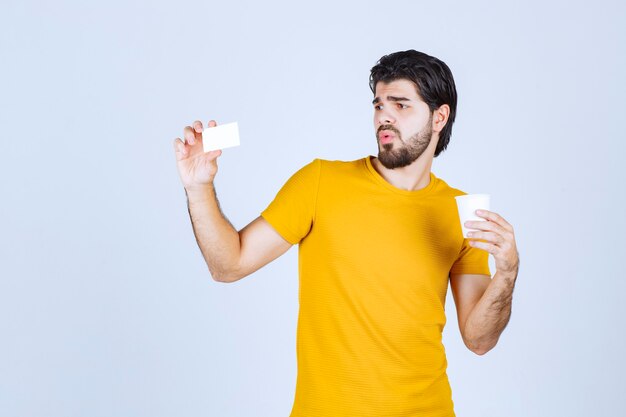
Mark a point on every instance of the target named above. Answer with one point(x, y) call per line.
point(198, 192)
point(509, 276)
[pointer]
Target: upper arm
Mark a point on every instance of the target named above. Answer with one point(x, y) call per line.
point(467, 289)
point(260, 244)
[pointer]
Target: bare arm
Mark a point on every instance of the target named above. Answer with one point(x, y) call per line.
point(483, 306)
point(230, 255)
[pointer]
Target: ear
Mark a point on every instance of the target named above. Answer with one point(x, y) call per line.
point(440, 118)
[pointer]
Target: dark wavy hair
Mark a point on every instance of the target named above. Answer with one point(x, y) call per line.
point(432, 78)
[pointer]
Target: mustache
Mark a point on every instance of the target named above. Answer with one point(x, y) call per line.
point(388, 127)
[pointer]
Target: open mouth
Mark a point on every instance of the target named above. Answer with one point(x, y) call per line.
point(386, 136)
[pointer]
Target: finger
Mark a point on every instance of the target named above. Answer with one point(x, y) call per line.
point(212, 123)
point(190, 136)
point(179, 147)
point(485, 225)
point(494, 217)
point(490, 237)
point(492, 249)
point(197, 131)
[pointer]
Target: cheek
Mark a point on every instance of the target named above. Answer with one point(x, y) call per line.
point(419, 123)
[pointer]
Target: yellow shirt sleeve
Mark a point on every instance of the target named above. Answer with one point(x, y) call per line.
point(471, 261)
point(292, 211)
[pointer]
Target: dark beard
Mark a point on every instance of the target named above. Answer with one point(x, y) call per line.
point(397, 158)
point(411, 150)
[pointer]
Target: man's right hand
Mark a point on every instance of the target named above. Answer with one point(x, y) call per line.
point(195, 167)
point(229, 254)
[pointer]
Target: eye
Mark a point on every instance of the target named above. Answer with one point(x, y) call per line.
point(378, 107)
point(403, 106)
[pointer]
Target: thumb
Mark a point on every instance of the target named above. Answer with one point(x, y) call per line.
point(213, 155)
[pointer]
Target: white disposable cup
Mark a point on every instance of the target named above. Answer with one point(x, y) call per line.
point(467, 205)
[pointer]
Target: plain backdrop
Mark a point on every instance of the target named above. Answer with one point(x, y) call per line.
point(106, 305)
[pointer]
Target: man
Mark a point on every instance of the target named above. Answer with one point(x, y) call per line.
point(378, 240)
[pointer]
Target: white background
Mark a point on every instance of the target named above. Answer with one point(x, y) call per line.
point(106, 306)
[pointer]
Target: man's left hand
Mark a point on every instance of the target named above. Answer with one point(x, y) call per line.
point(497, 238)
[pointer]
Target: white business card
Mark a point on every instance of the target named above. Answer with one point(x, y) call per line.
point(220, 137)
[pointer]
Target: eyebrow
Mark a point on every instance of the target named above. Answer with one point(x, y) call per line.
point(391, 98)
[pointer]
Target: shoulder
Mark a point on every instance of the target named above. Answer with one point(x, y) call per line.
point(339, 164)
point(446, 190)
point(338, 167)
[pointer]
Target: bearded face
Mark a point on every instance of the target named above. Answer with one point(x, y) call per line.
point(395, 152)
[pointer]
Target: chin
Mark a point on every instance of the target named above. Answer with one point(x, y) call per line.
point(393, 160)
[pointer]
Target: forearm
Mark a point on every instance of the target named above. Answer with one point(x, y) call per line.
point(217, 239)
point(491, 314)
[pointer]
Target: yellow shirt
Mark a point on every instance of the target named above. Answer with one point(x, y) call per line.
point(374, 263)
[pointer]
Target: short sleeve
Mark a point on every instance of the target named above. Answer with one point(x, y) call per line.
point(471, 260)
point(292, 211)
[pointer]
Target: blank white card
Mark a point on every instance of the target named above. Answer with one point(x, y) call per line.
point(220, 137)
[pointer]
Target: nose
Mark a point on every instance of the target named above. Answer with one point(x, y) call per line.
point(385, 118)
